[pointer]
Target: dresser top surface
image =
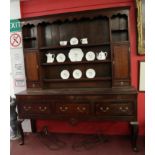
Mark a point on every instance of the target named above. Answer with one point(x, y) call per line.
point(83, 91)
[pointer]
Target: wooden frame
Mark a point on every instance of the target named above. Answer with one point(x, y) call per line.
point(108, 96)
point(140, 4)
point(141, 75)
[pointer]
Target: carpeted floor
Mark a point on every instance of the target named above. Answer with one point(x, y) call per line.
point(74, 144)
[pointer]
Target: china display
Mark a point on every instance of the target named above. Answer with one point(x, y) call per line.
point(77, 68)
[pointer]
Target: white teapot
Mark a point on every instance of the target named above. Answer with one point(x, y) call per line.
point(102, 55)
point(50, 57)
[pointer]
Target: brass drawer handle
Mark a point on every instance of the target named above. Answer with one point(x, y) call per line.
point(42, 108)
point(124, 109)
point(63, 109)
point(27, 108)
point(104, 109)
point(82, 109)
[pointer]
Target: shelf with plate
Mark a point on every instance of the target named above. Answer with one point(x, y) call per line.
point(87, 74)
point(76, 63)
point(76, 56)
point(81, 79)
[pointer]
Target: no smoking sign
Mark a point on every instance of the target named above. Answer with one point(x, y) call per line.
point(16, 40)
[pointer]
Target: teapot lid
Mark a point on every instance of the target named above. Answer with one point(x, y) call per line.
point(48, 53)
point(101, 52)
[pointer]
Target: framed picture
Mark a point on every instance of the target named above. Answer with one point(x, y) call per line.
point(140, 5)
point(141, 75)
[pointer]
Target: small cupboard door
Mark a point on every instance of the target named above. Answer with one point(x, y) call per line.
point(121, 64)
point(31, 66)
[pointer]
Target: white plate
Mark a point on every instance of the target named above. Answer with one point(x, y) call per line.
point(74, 41)
point(64, 74)
point(90, 73)
point(90, 56)
point(75, 54)
point(77, 74)
point(61, 57)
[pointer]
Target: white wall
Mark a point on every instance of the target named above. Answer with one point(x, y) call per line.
point(15, 9)
point(16, 55)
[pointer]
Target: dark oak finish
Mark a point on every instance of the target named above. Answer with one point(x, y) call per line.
point(108, 96)
point(64, 103)
point(29, 36)
point(121, 65)
point(31, 64)
point(33, 125)
point(32, 69)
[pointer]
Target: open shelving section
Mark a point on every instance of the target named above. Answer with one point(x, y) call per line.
point(78, 64)
point(104, 31)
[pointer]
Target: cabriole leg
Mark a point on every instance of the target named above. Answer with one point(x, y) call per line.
point(134, 135)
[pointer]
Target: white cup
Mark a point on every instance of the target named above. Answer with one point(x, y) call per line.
point(84, 40)
point(63, 43)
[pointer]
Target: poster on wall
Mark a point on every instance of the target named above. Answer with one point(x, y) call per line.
point(18, 64)
point(18, 69)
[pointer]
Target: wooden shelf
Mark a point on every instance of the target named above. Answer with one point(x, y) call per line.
point(29, 38)
point(121, 42)
point(80, 80)
point(119, 30)
point(76, 63)
point(30, 49)
point(74, 46)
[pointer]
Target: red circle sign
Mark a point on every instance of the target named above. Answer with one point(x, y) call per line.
point(15, 40)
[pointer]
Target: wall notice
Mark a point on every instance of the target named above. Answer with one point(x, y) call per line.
point(16, 40)
point(15, 25)
point(15, 34)
point(19, 82)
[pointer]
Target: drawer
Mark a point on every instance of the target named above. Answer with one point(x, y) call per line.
point(74, 109)
point(125, 108)
point(35, 108)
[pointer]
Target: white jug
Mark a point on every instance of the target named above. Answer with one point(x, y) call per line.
point(50, 57)
point(102, 55)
